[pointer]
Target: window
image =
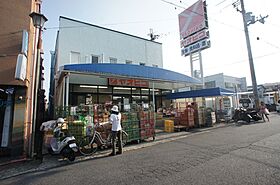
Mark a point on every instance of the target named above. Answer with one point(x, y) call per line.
point(142, 64)
point(74, 57)
point(122, 90)
point(94, 59)
point(229, 85)
point(210, 84)
point(113, 60)
point(81, 99)
point(104, 89)
point(128, 62)
point(145, 91)
point(136, 90)
point(104, 98)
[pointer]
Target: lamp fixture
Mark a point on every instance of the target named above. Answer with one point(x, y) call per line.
point(38, 19)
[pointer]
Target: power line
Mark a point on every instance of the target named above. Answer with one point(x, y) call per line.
point(109, 24)
point(273, 45)
point(220, 22)
point(161, 20)
point(175, 5)
point(239, 61)
point(244, 60)
point(217, 21)
point(220, 2)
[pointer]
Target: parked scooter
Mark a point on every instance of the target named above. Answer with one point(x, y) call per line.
point(62, 142)
point(254, 114)
point(241, 114)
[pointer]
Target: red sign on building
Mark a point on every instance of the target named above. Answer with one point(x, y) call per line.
point(128, 82)
point(194, 38)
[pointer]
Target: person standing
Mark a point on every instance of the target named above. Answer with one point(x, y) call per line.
point(115, 119)
point(264, 111)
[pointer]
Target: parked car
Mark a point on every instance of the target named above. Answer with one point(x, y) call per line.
point(278, 106)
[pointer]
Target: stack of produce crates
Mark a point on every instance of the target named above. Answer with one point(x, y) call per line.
point(77, 129)
point(130, 124)
point(147, 124)
point(201, 116)
point(159, 121)
point(152, 120)
point(187, 118)
point(62, 111)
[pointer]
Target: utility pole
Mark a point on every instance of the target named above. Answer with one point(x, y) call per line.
point(247, 20)
point(251, 62)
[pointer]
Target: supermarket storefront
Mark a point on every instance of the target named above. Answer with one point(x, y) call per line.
point(85, 93)
point(120, 84)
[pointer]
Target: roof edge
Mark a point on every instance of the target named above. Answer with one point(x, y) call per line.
point(63, 17)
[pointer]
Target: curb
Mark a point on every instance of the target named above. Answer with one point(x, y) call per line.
point(14, 161)
point(161, 138)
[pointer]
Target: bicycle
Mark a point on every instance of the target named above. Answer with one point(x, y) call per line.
point(91, 143)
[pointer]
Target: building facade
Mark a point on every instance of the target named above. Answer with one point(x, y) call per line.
point(17, 45)
point(96, 65)
point(227, 82)
point(83, 43)
point(268, 93)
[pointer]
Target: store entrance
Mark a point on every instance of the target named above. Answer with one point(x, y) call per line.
point(121, 101)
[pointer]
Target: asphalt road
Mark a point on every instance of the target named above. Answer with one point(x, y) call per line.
point(238, 154)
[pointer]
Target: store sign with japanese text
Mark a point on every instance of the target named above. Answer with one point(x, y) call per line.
point(203, 34)
point(195, 47)
point(193, 25)
point(128, 82)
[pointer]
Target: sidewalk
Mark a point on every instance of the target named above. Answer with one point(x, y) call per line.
point(19, 167)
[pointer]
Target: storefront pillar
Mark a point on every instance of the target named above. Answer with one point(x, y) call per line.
point(63, 92)
point(154, 107)
point(67, 90)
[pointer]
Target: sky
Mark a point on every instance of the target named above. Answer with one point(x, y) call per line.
point(228, 51)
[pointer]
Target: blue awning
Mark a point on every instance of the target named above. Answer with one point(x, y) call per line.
point(132, 71)
point(201, 93)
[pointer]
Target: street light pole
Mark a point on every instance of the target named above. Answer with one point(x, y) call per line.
point(252, 69)
point(38, 22)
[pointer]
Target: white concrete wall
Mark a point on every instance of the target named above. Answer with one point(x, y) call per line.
point(86, 39)
point(218, 78)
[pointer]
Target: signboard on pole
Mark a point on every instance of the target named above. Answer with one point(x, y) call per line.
point(203, 44)
point(192, 19)
point(193, 26)
point(203, 34)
